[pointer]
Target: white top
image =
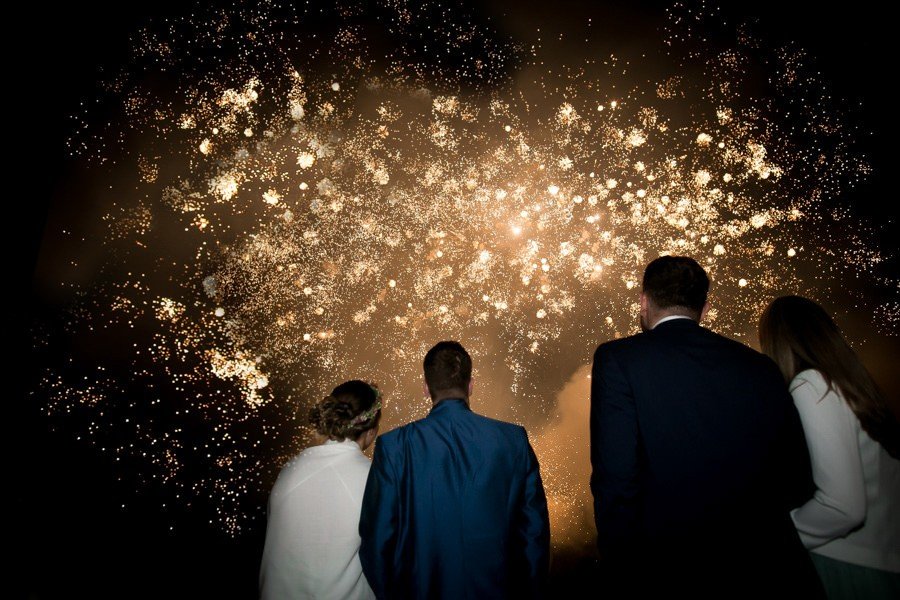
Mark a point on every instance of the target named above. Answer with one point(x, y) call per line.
point(854, 514)
point(312, 537)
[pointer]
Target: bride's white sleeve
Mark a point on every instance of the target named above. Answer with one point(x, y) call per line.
point(839, 503)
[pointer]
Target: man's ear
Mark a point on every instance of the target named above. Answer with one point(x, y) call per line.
point(425, 390)
point(471, 385)
point(645, 302)
point(704, 311)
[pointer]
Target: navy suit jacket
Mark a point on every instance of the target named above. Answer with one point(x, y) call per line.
point(454, 507)
point(698, 455)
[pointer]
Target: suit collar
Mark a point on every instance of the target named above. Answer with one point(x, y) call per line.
point(449, 404)
point(676, 325)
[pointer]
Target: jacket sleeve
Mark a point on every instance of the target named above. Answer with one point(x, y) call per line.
point(533, 526)
point(838, 504)
point(615, 474)
point(378, 524)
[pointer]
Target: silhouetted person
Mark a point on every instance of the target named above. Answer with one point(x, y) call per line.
point(851, 523)
point(454, 507)
point(312, 536)
point(698, 456)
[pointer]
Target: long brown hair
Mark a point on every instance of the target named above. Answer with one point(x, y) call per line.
point(798, 334)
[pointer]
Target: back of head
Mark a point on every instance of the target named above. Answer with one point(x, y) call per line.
point(352, 408)
point(676, 282)
point(448, 370)
point(798, 334)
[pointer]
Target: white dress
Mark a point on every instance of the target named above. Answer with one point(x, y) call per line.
point(312, 537)
point(854, 515)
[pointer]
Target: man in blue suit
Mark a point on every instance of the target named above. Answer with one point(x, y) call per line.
point(698, 456)
point(454, 505)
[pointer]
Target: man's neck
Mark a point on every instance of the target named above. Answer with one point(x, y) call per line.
point(436, 401)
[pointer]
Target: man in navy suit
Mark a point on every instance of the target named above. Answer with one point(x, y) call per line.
point(454, 505)
point(698, 456)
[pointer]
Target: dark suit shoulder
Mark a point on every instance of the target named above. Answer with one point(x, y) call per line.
point(744, 351)
point(617, 345)
point(732, 343)
point(654, 337)
point(492, 427)
point(650, 345)
point(511, 428)
point(395, 435)
point(386, 442)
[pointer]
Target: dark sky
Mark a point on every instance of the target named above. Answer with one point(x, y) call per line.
point(71, 538)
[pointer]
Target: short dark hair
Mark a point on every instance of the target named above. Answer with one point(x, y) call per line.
point(448, 368)
point(676, 281)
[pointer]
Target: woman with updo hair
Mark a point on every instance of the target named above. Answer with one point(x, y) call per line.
point(312, 537)
point(851, 525)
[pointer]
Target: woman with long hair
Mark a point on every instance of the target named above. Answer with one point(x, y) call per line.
point(851, 525)
point(312, 537)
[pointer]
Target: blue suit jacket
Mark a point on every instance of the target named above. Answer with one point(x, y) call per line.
point(454, 507)
point(698, 456)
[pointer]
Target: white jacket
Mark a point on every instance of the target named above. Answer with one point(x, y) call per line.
point(312, 537)
point(854, 515)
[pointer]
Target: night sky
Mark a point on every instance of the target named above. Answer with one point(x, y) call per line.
point(71, 534)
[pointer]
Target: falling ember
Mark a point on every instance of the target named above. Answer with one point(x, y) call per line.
point(243, 370)
point(224, 187)
point(305, 160)
point(759, 220)
point(637, 138)
point(519, 223)
point(567, 114)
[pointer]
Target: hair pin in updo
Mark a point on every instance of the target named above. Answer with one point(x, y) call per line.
point(366, 416)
